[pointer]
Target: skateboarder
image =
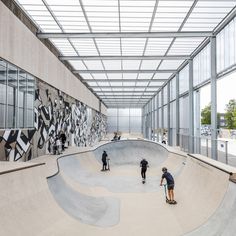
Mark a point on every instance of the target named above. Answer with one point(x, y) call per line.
point(170, 185)
point(104, 161)
point(143, 165)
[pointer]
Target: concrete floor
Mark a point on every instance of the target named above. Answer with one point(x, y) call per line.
point(80, 199)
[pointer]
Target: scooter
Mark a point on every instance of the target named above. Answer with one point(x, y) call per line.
point(167, 200)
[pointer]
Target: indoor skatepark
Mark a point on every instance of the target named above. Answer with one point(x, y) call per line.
point(151, 79)
point(74, 197)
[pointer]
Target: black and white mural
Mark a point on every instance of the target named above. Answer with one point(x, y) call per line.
point(54, 112)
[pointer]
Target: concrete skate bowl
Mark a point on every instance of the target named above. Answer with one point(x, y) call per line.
point(125, 157)
point(206, 199)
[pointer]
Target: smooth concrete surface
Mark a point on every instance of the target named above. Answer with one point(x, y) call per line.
point(98, 211)
point(206, 198)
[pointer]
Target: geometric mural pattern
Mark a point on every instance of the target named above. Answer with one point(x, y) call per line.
point(53, 112)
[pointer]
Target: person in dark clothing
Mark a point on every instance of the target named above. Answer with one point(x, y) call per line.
point(143, 165)
point(115, 138)
point(104, 161)
point(170, 184)
point(63, 140)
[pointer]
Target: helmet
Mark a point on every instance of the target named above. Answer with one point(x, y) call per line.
point(164, 169)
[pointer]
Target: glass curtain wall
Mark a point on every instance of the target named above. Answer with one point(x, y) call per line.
point(17, 90)
point(128, 120)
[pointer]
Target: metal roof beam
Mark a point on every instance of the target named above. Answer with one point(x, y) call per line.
point(125, 96)
point(123, 80)
point(181, 34)
point(167, 57)
point(125, 87)
point(121, 91)
point(123, 71)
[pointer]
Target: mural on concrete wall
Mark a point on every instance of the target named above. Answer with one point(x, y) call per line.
point(54, 112)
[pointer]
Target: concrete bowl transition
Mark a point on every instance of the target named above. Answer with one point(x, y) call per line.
point(69, 195)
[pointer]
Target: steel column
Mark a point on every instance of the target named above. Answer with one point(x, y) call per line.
point(213, 99)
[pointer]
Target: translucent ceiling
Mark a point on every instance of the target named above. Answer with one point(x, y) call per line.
point(126, 70)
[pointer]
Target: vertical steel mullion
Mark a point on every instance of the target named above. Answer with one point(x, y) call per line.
point(6, 115)
point(17, 102)
point(177, 110)
point(162, 113)
point(157, 120)
point(168, 115)
point(213, 99)
point(191, 110)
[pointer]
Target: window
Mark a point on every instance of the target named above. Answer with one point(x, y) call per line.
point(16, 97)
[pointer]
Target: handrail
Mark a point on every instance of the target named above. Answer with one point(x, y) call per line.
point(21, 168)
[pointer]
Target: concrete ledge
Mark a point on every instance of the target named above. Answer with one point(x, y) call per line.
point(220, 166)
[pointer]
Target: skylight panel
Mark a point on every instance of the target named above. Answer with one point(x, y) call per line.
point(145, 76)
point(99, 76)
point(62, 2)
point(114, 75)
point(129, 83)
point(68, 14)
point(170, 64)
point(116, 83)
point(78, 65)
point(142, 83)
point(86, 76)
point(85, 47)
point(112, 64)
point(35, 2)
point(134, 46)
point(155, 83)
point(175, 3)
point(131, 64)
point(184, 46)
point(139, 89)
point(108, 46)
point(103, 84)
point(130, 75)
point(162, 76)
point(92, 83)
point(157, 46)
point(101, 3)
point(150, 64)
point(149, 89)
point(64, 46)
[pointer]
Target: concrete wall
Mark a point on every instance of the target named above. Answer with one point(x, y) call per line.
point(21, 47)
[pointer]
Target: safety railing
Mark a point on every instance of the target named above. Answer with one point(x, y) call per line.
point(202, 145)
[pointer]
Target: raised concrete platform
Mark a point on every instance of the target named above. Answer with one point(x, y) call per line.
point(80, 199)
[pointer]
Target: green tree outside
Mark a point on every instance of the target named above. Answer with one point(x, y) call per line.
point(206, 115)
point(230, 115)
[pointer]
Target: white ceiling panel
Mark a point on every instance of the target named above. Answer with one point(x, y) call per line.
point(127, 17)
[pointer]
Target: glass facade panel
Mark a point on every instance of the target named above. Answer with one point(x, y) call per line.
point(202, 66)
point(173, 89)
point(165, 95)
point(3, 87)
point(226, 48)
point(184, 80)
point(17, 90)
point(12, 93)
point(126, 119)
point(183, 115)
point(165, 117)
point(22, 99)
point(30, 102)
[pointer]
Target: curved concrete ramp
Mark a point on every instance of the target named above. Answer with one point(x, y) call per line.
point(223, 221)
point(131, 152)
point(125, 157)
point(99, 211)
point(31, 205)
